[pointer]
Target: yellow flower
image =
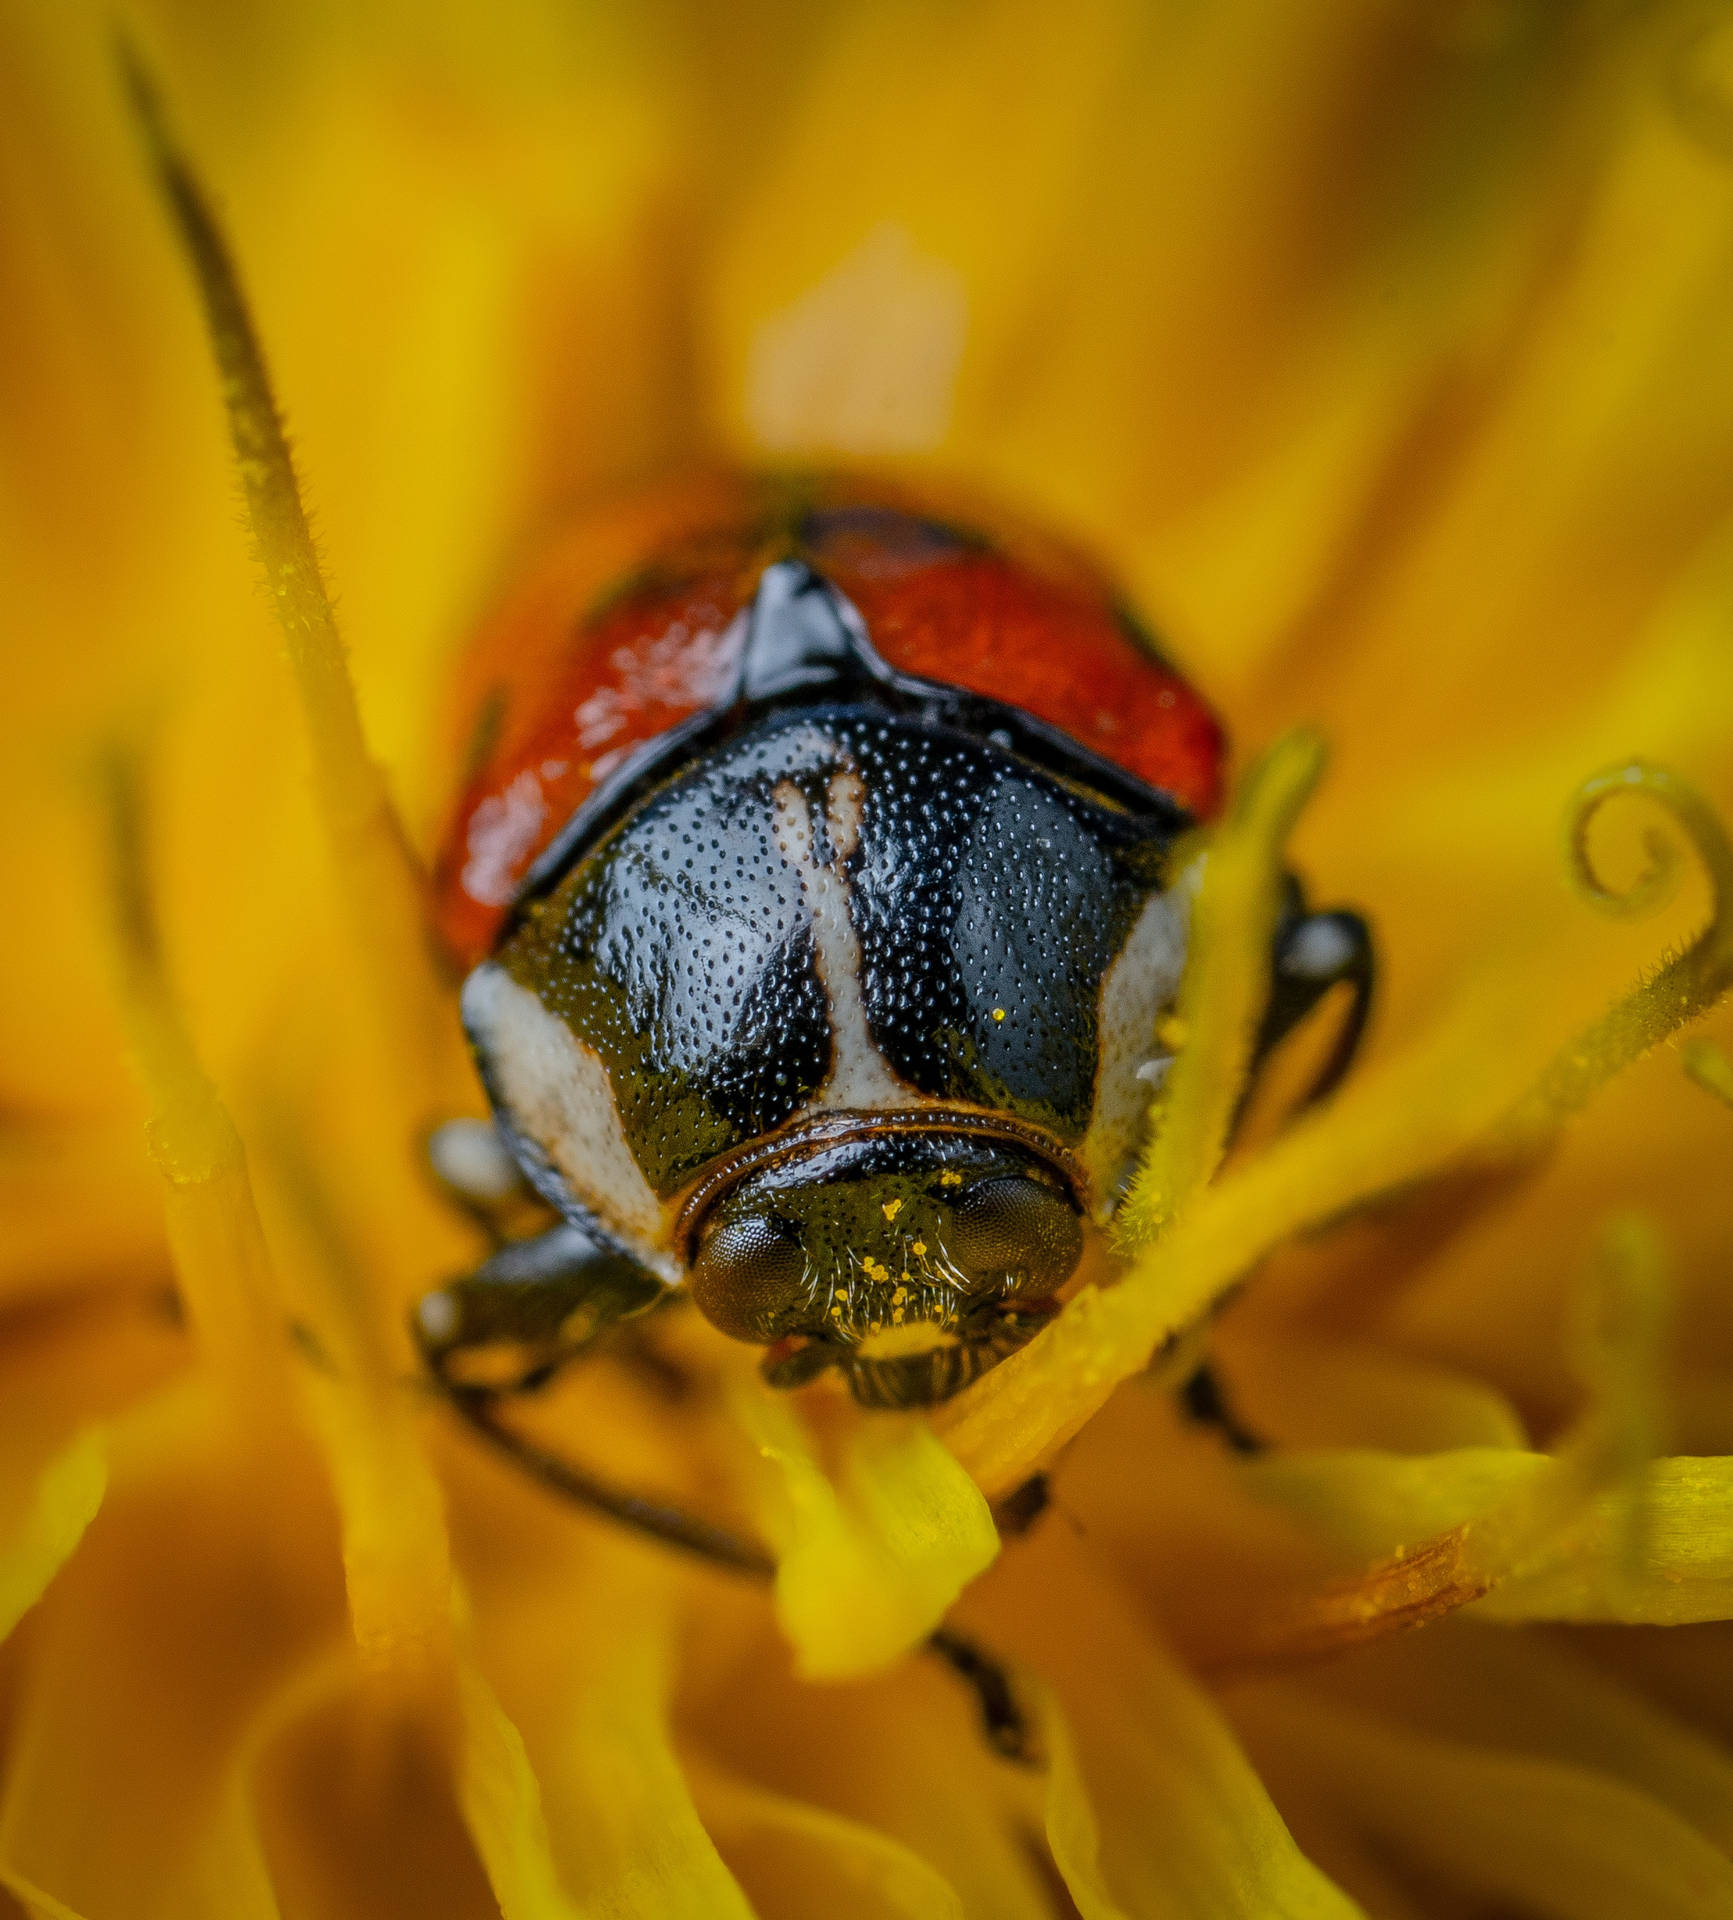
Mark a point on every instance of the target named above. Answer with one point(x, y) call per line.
point(1381, 350)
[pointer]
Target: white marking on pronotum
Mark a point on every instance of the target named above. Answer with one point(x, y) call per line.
point(556, 1093)
point(859, 1075)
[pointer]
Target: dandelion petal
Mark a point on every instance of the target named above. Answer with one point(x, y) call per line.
point(1557, 1840)
point(867, 1561)
point(811, 1860)
point(42, 1518)
point(1153, 1808)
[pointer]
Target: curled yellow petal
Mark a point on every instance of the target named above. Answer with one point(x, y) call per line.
point(1226, 984)
point(1687, 984)
point(868, 1559)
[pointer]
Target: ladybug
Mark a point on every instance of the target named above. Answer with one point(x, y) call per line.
point(816, 874)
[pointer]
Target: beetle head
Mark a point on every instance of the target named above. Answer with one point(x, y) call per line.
point(907, 1258)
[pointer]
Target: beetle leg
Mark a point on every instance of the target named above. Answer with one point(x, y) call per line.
point(1003, 1721)
point(475, 1169)
point(545, 1301)
point(1201, 1399)
point(669, 1525)
point(1311, 953)
point(1016, 1512)
point(507, 1328)
point(531, 1307)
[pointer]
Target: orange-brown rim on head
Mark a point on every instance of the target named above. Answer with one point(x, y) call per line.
point(823, 1130)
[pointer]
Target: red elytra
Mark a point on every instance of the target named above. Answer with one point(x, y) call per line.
point(625, 631)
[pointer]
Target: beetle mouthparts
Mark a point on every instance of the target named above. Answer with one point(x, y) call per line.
point(891, 1381)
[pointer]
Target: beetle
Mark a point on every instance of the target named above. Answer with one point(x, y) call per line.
point(820, 885)
point(822, 889)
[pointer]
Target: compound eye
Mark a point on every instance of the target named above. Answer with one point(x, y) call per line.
point(748, 1277)
point(1016, 1231)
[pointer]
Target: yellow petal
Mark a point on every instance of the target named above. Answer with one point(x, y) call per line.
point(798, 1859)
point(1153, 1809)
point(899, 1755)
point(1300, 1389)
point(197, 1591)
point(69, 1369)
point(1683, 1568)
point(1529, 1694)
point(1556, 1840)
point(1381, 1503)
point(582, 1654)
point(398, 1576)
point(1482, 1515)
point(41, 1521)
point(502, 1801)
point(355, 1806)
point(1226, 984)
point(396, 1559)
point(867, 1560)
